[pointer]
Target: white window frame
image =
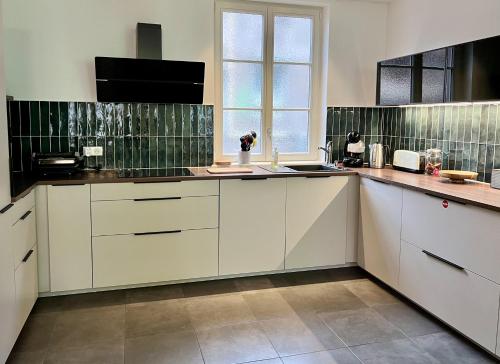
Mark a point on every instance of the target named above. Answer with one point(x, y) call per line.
point(316, 116)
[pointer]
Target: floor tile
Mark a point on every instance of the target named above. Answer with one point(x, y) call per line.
point(339, 356)
point(362, 326)
point(95, 299)
point(268, 304)
point(82, 328)
point(156, 317)
point(448, 348)
point(253, 283)
point(324, 297)
point(291, 336)
point(209, 312)
point(323, 333)
point(235, 344)
point(31, 357)
point(410, 320)
point(267, 361)
point(393, 352)
point(370, 293)
point(219, 286)
point(105, 354)
point(157, 293)
point(35, 335)
point(171, 348)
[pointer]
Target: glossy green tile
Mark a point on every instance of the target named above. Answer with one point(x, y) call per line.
point(476, 122)
point(119, 152)
point(44, 118)
point(170, 152)
point(153, 119)
point(100, 130)
point(55, 145)
point(177, 120)
point(14, 114)
point(177, 152)
point(194, 120)
point(44, 144)
point(162, 152)
point(492, 124)
point(34, 118)
point(136, 120)
point(54, 119)
point(193, 162)
point(202, 151)
point(127, 119)
point(25, 118)
point(329, 121)
point(36, 146)
point(16, 159)
point(145, 120)
point(349, 119)
point(202, 123)
point(63, 119)
point(81, 119)
point(209, 110)
point(91, 119)
point(170, 120)
point(153, 152)
point(119, 120)
point(210, 151)
point(136, 152)
point(127, 152)
point(483, 126)
point(63, 144)
point(162, 121)
point(26, 153)
point(101, 142)
point(336, 121)
point(145, 152)
point(186, 152)
point(186, 120)
point(109, 152)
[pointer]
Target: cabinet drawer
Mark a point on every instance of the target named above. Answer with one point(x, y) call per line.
point(139, 216)
point(26, 280)
point(126, 191)
point(466, 235)
point(20, 207)
point(461, 298)
point(132, 259)
point(24, 235)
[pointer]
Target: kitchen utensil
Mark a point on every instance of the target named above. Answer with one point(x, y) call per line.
point(228, 170)
point(458, 176)
point(377, 155)
point(408, 161)
point(433, 161)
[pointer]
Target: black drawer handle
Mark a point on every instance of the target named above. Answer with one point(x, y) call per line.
point(27, 256)
point(68, 184)
point(319, 176)
point(379, 181)
point(253, 178)
point(157, 199)
point(444, 198)
point(159, 232)
point(163, 181)
point(6, 208)
point(26, 214)
point(456, 266)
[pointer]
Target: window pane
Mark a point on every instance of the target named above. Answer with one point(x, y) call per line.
point(291, 131)
point(237, 123)
point(242, 84)
point(242, 36)
point(291, 86)
point(432, 85)
point(292, 39)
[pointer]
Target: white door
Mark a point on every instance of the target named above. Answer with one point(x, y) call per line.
point(4, 143)
point(380, 229)
point(252, 225)
point(316, 221)
point(69, 237)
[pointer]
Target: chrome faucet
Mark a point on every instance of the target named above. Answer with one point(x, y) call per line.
point(328, 152)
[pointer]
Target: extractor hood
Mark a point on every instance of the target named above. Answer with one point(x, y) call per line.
point(148, 78)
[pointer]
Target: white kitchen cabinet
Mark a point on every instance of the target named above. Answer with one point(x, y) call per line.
point(351, 254)
point(69, 237)
point(463, 299)
point(380, 229)
point(252, 225)
point(4, 140)
point(26, 277)
point(316, 221)
point(133, 259)
point(464, 234)
point(24, 235)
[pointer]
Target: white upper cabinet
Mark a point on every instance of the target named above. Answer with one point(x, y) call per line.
point(380, 229)
point(4, 142)
point(69, 237)
point(465, 235)
point(252, 225)
point(316, 221)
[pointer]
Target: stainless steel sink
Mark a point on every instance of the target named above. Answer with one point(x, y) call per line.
point(315, 168)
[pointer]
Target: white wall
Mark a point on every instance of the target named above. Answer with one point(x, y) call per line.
point(4, 151)
point(50, 44)
point(419, 25)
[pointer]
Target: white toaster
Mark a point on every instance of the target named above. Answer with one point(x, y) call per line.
point(406, 160)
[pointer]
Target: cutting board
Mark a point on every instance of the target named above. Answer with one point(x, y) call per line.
point(228, 170)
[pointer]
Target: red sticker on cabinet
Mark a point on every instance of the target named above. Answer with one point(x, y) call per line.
point(445, 204)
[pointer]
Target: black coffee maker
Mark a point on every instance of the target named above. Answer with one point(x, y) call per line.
point(354, 147)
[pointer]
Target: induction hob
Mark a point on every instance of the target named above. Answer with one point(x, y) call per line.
point(154, 172)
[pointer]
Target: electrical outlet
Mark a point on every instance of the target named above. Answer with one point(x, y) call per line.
point(92, 151)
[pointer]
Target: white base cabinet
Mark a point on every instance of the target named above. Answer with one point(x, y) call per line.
point(380, 229)
point(461, 298)
point(69, 237)
point(316, 221)
point(26, 277)
point(252, 225)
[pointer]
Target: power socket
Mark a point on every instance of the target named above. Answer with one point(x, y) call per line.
point(92, 151)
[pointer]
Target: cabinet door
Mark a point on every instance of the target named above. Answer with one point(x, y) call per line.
point(380, 229)
point(69, 237)
point(252, 225)
point(316, 221)
point(26, 287)
point(4, 143)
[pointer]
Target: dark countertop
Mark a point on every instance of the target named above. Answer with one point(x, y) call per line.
point(473, 193)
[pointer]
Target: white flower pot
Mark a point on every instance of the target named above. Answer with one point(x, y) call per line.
point(243, 157)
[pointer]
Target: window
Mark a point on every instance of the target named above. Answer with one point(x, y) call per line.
point(267, 79)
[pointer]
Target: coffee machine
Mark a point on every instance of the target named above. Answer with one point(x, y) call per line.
point(354, 147)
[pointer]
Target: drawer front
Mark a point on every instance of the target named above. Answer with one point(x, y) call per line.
point(20, 207)
point(461, 298)
point(126, 191)
point(133, 259)
point(466, 235)
point(26, 279)
point(130, 216)
point(24, 235)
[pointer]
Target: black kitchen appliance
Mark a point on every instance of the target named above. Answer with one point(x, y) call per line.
point(354, 147)
point(45, 164)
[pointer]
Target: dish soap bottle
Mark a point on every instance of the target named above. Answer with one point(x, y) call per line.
point(274, 164)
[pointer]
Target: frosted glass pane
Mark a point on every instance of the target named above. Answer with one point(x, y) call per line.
point(242, 84)
point(432, 86)
point(237, 123)
point(434, 58)
point(403, 61)
point(242, 36)
point(395, 86)
point(291, 86)
point(292, 39)
point(291, 131)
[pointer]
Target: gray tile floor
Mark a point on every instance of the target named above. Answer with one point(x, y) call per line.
point(324, 317)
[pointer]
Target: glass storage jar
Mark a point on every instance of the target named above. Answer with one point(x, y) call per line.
point(433, 161)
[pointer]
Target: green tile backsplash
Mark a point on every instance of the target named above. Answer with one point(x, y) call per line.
point(468, 135)
point(132, 135)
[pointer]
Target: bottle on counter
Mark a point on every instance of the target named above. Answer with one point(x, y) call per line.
point(275, 162)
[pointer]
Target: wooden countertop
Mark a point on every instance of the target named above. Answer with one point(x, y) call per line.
point(472, 192)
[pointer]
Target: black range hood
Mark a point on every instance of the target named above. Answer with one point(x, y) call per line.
point(149, 80)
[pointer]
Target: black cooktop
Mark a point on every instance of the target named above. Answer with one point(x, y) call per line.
point(155, 172)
